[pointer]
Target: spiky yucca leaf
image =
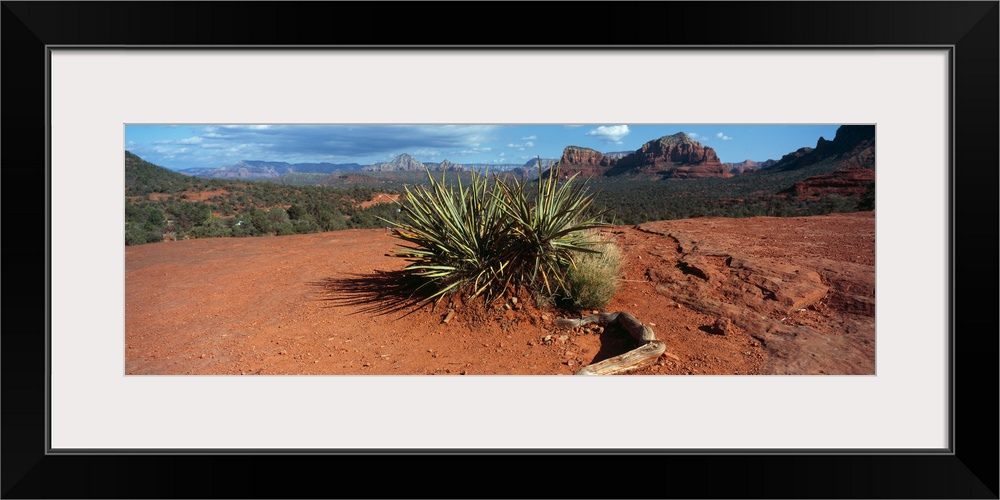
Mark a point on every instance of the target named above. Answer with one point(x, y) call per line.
point(459, 236)
point(551, 230)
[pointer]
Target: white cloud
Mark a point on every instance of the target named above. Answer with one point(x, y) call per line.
point(529, 138)
point(529, 144)
point(191, 140)
point(696, 137)
point(613, 133)
point(722, 136)
point(427, 153)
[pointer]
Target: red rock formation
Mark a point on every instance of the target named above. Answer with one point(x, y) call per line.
point(575, 156)
point(584, 161)
point(847, 182)
point(672, 157)
point(853, 147)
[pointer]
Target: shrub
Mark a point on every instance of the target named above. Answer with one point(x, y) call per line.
point(483, 238)
point(595, 277)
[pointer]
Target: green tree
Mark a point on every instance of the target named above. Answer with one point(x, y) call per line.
point(190, 214)
point(296, 212)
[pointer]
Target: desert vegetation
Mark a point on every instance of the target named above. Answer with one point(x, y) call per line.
point(495, 233)
point(160, 204)
point(594, 278)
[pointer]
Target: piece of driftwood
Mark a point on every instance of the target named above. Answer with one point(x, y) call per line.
point(632, 325)
point(634, 359)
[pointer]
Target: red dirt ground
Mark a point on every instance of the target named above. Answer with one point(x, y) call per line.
point(799, 293)
point(378, 198)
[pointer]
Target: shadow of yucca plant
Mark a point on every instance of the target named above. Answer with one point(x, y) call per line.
point(483, 238)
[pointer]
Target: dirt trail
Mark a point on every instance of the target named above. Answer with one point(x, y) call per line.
point(792, 295)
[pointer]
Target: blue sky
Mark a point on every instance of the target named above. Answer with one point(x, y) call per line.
point(180, 147)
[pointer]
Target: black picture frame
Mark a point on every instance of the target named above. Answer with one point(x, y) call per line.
point(969, 471)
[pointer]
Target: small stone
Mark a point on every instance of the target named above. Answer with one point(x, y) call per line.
point(563, 337)
point(722, 326)
point(513, 300)
point(282, 352)
point(569, 362)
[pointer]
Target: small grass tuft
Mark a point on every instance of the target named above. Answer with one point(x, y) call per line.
point(595, 278)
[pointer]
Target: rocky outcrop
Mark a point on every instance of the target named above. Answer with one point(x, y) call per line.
point(794, 159)
point(577, 157)
point(446, 165)
point(748, 166)
point(809, 302)
point(669, 157)
point(849, 183)
point(584, 161)
point(852, 147)
point(537, 163)
point(403, 162)
point(672, 157)
point(532, 168)
point(617, 155)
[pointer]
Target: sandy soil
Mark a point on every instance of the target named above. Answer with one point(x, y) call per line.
point(797, 295)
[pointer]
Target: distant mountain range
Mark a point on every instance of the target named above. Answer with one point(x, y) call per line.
point(255, 169)
point(674, 156)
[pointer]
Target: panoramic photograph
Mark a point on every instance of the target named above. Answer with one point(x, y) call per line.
point(510, 249)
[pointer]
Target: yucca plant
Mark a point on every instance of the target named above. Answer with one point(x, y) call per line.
point(459, 236)
point(549, 231)
point(483, 238)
